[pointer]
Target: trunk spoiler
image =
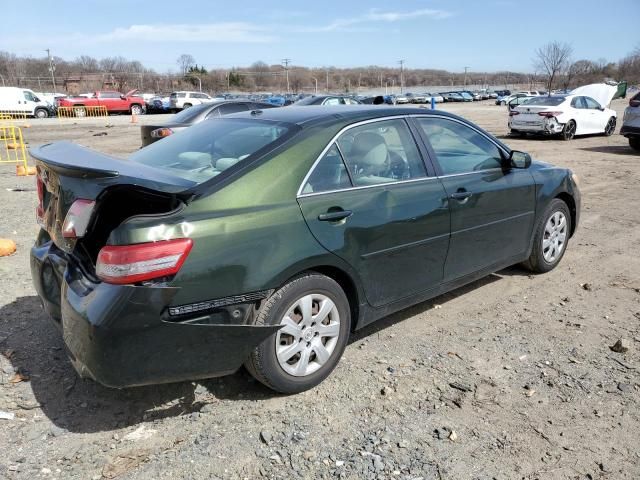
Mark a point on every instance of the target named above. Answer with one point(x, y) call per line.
point(73, 160)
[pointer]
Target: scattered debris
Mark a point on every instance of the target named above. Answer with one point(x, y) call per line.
point(587, 286)
point(140, 433)
point(621, 346)
point(6, 415)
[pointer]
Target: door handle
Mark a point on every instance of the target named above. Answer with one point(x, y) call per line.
point(335, 215)
point(463, 195)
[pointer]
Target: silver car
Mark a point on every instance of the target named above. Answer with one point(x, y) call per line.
point(631, 122)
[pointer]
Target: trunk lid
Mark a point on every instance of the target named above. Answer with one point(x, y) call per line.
point(69, 172)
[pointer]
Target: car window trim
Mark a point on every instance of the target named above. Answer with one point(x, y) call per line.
point(358, 124)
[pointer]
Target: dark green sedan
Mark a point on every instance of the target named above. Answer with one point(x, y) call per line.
point(265, 238)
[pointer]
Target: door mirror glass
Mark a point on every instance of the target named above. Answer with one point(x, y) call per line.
point(519, 159)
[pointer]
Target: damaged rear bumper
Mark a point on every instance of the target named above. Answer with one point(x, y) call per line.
point(121, 335)
point(548, 126)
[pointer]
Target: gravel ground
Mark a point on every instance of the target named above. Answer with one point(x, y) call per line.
point(511, 377)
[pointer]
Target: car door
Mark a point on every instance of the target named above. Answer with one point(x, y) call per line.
point(581, 115)
point(492, 208)
point(597, 117)
point(371, 201)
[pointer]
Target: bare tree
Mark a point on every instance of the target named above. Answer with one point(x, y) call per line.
point(185, 61)
point(552, 59)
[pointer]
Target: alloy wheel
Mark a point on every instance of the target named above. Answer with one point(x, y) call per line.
point(554, 237)
point(611, 126)
point(309, 335)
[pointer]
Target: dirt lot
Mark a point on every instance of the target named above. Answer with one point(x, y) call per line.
point(518, 366)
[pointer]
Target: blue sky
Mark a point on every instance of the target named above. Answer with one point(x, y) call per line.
point(485, 35)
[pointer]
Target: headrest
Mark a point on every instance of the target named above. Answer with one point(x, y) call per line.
point(370, 149)
point(226, 162)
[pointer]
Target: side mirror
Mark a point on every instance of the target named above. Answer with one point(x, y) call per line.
point(519, 159)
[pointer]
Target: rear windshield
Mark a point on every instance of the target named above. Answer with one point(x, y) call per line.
point(546, 101)
point(207, 149)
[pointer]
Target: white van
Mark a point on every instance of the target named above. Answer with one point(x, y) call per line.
point(23, 101)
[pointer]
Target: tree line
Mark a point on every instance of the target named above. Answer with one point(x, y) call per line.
point(553, 68)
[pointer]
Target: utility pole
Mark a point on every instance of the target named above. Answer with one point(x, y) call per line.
point(327, 84)
point(286, 62)
point(401, 62)
point(316, 80)
point(51, 69)
point(465, 75)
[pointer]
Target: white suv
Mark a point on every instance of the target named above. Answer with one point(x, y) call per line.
point(180, 100)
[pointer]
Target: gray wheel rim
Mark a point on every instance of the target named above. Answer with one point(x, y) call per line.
point(571, 129)
point(554, 237)
point(309, 335)
point(611, 126)
point(136, 110)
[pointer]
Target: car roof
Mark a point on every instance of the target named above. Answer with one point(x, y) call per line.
point(305, 116)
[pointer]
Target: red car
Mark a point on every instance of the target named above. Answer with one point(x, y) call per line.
point(115, 102)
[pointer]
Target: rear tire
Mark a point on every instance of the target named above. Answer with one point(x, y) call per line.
point(610, 127)
point(634, 143)
point(569, 130)
point(550, 237)
point(316, 319)
point(79, 111)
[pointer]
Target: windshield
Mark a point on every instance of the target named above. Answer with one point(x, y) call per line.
point(207, 149)
point(189, 114)
point(546, 101)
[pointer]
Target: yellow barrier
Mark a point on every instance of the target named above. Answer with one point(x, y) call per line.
point(80, 111)
point(13, 115)
point(12, 148)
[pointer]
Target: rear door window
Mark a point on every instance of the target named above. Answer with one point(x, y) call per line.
point(381, 152)
point(329, 174)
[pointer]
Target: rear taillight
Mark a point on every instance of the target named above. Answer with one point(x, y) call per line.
point(161, 132)
point(122, 264)
point(549, 114)
point(513, 113)
point(40, 207)
point(78, 218)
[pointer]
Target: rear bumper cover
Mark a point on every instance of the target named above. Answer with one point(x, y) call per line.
point(118, 335)
point(630, 132)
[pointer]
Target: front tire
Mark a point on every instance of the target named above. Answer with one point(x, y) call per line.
point(610, 127)
point(551, 237)
point(41, 113)
point(634, 143)
point(569, 130)
point(136, 110)
point(316, 320)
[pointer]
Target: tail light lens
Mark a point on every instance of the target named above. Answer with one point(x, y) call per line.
point(549, 114)
point(161, 132)
point(77, 219)
point(121, 264)
point(513, 113)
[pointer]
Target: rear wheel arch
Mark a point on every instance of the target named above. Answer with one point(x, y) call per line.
point(342, 278)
